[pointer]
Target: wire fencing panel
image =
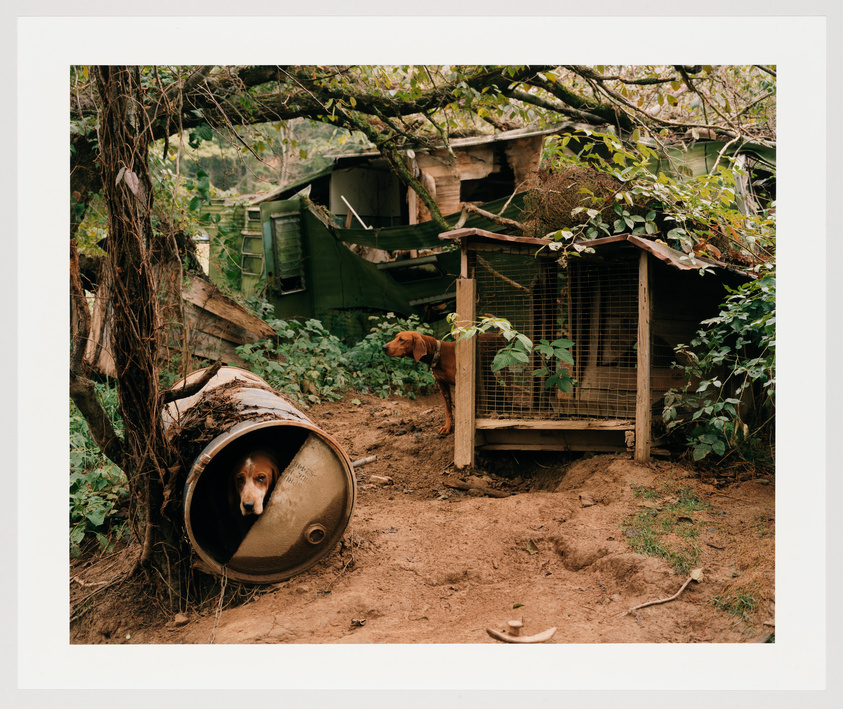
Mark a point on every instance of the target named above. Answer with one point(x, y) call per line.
point(594, 305)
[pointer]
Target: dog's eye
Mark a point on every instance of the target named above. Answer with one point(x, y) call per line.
point(261, 478)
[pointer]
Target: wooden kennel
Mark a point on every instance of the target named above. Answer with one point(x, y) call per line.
point(629, 290)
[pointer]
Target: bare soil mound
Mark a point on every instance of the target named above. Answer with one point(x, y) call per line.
point(435, 555)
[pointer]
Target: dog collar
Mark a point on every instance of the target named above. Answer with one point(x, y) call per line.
point(436, 354)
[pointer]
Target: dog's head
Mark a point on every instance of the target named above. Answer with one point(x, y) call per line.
point(254, 477)
point(407, 344)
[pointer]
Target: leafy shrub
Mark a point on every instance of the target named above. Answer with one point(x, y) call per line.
point(303, 365)
point(373, 372)
point(703, 214)
point(515, 354)
point(98, 488)
point(731, 360)
point(310, 365)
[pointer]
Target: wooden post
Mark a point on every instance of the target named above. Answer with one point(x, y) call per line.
point(465, 380)
point(643, 411)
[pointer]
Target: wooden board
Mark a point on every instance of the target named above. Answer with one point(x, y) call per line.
point(465, 388)
point(207, 296)
point(215, 326)
point(598, 440)
point(643, 410)
point(546, 425)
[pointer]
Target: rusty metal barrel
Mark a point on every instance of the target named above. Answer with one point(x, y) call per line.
point(307, 511)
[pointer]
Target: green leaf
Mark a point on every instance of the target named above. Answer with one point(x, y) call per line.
point(564, 385)
point(502, 359)
point(526, 341)
point(565, 356)
point(701, 451)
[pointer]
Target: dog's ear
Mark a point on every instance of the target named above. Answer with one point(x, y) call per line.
point(419, 346)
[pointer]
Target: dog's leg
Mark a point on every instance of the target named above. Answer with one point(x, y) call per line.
point(445, 388)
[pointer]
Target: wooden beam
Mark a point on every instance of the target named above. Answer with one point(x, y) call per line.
point(643, 410)
point(594, 439)
point(547, 425)
point(553, 448)
point(465, 380)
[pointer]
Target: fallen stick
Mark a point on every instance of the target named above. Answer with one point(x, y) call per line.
point(661, 600)
point(76, 579)
point(485, 490)
point(363, 461)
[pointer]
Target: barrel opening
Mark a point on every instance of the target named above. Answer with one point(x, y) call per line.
point(216, 528)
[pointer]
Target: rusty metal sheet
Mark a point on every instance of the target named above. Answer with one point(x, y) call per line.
point(663, 252)
point(671, 256)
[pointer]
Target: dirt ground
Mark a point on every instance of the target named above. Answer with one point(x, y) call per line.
point(425, 562)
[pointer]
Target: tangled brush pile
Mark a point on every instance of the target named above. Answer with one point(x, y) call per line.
point(554, 194)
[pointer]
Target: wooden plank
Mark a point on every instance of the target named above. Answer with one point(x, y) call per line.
point(544, 424)
point(207, 322)
point(552, 448)
point(523, 156)
point(465, 379)
point(643, 412)
point(447, 195)
point(205, 346)
point(208, 297)
point(476, 163)
point(538, 439)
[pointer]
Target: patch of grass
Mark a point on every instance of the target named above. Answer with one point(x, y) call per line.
point(739, 602)
point(666, 529)
point(644, 492)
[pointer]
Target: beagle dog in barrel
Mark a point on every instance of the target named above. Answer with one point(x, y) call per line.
point(439, 355)
point(252, 478)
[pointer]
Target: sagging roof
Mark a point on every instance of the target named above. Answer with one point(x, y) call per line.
point(663, 252)
point(346, 160)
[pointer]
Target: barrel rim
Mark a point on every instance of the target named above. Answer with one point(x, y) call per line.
point(228, 437)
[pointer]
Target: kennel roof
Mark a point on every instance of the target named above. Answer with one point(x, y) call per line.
point(663, 252)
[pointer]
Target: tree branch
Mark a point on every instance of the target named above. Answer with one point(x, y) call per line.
point(186, 390)
point(397, 164)
point(82, 389)
point(524, 97)
point(503, 221)
point(765, 69)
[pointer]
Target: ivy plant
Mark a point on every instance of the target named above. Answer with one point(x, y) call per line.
point(518, 348)
point(728, 402)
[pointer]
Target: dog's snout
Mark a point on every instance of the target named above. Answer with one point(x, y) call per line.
point(248, 507)
point(385, 346)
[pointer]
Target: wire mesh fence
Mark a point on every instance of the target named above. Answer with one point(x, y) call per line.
point(593, 304)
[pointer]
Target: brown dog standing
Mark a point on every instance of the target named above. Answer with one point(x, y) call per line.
point(439, 355)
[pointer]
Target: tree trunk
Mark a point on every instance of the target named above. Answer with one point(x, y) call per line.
point(133, 252)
